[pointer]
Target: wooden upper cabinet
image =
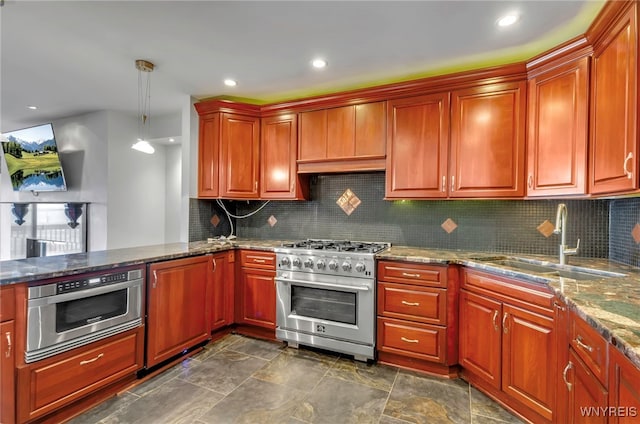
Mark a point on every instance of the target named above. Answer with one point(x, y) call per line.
point(488, 141)
point(557, 144)
point(278, 169)
point(343, 139)
point(417, 148)
point(209, 155)
point(614, 139)
point(240, 156)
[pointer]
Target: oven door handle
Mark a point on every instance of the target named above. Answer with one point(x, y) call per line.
point(49, 300)
point(319, 285)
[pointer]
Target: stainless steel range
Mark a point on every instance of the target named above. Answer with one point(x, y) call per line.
point(326, 295)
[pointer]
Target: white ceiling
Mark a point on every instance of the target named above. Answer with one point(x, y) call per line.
point(71, 57)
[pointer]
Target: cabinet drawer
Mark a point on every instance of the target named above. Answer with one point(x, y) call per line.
point(402, 272)
point(590, 346)
point(256, 259)
point(415, 303)
point(55, 383)
point(420, 341)
point(7, 303)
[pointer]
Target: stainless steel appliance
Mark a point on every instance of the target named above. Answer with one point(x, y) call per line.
point(326, 295)
point(76, 311)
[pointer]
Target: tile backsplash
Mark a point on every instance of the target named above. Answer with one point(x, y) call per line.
point(624, 216)
point(506, 226)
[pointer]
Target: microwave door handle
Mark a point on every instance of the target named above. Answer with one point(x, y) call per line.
point(318, 285)
point(49, 300)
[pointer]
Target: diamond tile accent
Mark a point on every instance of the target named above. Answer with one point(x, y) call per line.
point(449, 225)
point(546, 228)
point(348, 202)
point(215, 220)
point(272, 220)
point(636, 233)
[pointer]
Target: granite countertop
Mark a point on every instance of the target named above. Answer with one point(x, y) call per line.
point(32, 269)
point(610, 305)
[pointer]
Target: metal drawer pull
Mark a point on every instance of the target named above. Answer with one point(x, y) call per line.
point(559, 306)
point(404, 302)
point(444, 183)
point(583, 345)
point(88, 361)
point(453, 183)
point(260, 261)
point(404, 339)
point(495, 323)
point(504, 323)
point(628, 173)
point(8, 352)
point(530, 181)
point(406, 274)
point(155, 278)
point(564, 375)
point(215, 265)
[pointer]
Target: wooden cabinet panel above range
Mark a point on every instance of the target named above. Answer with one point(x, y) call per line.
point(342, 139)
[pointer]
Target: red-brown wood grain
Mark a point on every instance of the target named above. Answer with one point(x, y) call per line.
point(7, 371)
point(209, 156)
point(240, 156)
point(623, 388)
point(558, 128)
point(614, 114)
point(417, 147)
point(487, 157)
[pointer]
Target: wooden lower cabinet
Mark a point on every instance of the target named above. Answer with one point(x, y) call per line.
point(415, 327)
point(48, 385)
point(508, 343)
point(178, 306)
point(584, 394)
point(7, 372)
point(624, 389)
point(256, 290)
point(222, 290)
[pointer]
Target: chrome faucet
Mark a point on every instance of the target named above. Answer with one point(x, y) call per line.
point(561, 224)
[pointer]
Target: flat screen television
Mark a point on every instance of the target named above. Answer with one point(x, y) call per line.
point(32, 159)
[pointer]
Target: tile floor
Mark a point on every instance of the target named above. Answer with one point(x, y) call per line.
point(243, 380)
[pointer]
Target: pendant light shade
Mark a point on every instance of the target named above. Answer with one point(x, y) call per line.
point(144, 68)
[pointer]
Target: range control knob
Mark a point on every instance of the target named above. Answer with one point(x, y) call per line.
point(308, 263)
point(285, 261)
point(320, 264)
point(346, 266)
point(333, 265)
point(297, 262)
point(360, 267)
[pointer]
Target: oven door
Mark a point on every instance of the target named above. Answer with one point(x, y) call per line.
point(62, 322)
point(338, 308)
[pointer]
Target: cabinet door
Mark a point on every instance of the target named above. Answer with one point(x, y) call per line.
point(218, 292)
point(480, 336)
point(258, 298)
point(7, 371)
point(583, 393)
point(341, 132)
point(312, 144)
point(278, 168)
point(417, 147)
point(557, 145)
point(624, 392)
point(209, 155)
point(240, 147)
point(178, 306)
point(529, 368)
point(370, 133)
point(488, 141)
point(614, 143)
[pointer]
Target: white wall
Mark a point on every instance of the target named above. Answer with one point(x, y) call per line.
point(173, 190)
point(136, 188)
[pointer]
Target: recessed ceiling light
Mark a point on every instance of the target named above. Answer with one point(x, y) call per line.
point(230, 83)
point(508, 20)
point(319, 63)
point(32, 107)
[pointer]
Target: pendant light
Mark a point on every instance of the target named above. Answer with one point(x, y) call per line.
point(144, 68)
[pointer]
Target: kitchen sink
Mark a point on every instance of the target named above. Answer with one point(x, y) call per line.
point(553, 270)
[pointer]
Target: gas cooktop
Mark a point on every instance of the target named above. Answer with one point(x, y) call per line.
point(337, 245)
